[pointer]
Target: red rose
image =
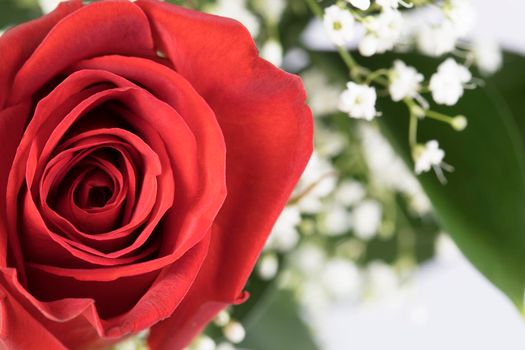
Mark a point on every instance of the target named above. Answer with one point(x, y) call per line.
point(138, 188)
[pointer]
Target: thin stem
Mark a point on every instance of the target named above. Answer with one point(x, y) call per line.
point(406, 239)
point(412, 126)
point(347, 58)
point(439, 116)
point(376, 75)
point(412, 131)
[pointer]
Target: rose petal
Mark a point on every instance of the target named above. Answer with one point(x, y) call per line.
point(109, 27)
point(18, 43)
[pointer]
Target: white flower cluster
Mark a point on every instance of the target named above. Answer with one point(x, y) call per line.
point(385, 28)
point(389, 171)
point(456, 21)
point(320, 280)
point(382, 30)
point(318, 181)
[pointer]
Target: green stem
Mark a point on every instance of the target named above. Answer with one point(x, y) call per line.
point(347, 59)
point(439, 116)
point(413, 130)
point(316, 9)
point(376, 76)
point(412, 127)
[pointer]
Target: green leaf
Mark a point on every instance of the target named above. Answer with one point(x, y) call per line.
point(274, 323)
point(510, 82)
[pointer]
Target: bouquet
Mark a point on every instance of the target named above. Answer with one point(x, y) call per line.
point(215, 174)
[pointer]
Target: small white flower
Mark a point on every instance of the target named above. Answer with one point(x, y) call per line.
point(350, 192)
point(234, 332)
point(222, 318)
point(128, 344)
point(383, 281)
point(437, 40)
point(284, 236)
point(386, 28)
point(360, 4)
point(448, 83)
point(204, 343)
point(309, 258)
point(366, 219)
point(225, 346)
point(272, 51)
point(339, 24)
point(405, 81)
point(268, 266)
point(341, 278)
point(359, 101)
point(336, 221)
point(462, 14)
point(487, 55)
point(428, 157)
point(446, 249)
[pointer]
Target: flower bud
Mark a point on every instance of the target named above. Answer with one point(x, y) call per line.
point(459, 123)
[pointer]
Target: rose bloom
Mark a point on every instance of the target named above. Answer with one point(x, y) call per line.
point(146, 153)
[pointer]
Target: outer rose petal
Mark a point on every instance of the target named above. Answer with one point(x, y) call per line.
point(106, 27)
point(268, 133)
point(17, 44)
